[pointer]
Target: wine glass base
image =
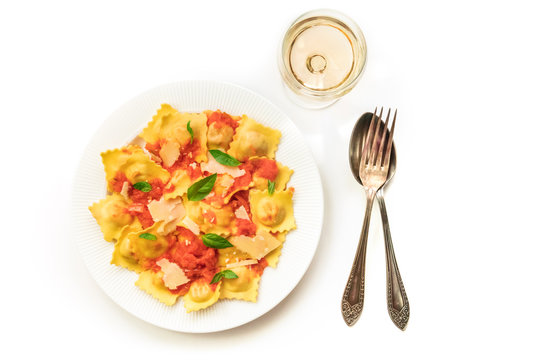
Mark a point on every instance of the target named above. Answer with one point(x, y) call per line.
point(307, 102)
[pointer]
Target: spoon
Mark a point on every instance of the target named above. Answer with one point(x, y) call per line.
point(397, 302)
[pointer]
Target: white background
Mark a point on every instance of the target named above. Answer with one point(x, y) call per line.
point(463, 207)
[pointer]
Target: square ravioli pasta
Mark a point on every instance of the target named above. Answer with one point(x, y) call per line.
point(198, 206)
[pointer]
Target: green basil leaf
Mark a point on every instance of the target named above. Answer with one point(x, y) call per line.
point(143, 186)
point(227, 274)
point(215, 241)
point(216, 278)
point(224, 159)
point(271, 187)
point(190, 130)
point(148, 236)
point(201, 188)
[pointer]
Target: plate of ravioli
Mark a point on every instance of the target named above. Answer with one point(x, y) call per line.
point(197, 206)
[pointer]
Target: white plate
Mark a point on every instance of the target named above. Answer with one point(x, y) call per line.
point(195, 96)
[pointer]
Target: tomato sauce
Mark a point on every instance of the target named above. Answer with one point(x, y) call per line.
point(244, 180)
point(239, 199)
point(245, 227)
point(197, 260)
point(194, 172)
point(259, 267)
point(220, 119)
point(216, 200)
point(138, 196)
point(117, 182)
point(153, 148)
point(145, 218)
point(209, 216)
point(265, 168)
point(188, 152)
point(169, 189)
point(142, 197)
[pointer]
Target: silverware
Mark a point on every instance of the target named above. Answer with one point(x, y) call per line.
point(373, 171)
point(397, 302)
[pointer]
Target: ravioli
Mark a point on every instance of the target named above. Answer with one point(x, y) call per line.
point(200, 296)
point(133, 163)
point(124, 255)
point(112, 215)
point(221, 129)
point(210, 219)
point(152, 283)
point(245, 287)
point(148, 243)
point(254, 139)
point(169, 240)
point(273, 256)
point(273, 212)
point(265, 170)
point(171, 126)
point(180, 182)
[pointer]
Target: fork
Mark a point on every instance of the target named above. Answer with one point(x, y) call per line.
point(373, 171)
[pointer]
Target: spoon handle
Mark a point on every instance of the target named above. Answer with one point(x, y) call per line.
point(396, 297)
point(352, 302)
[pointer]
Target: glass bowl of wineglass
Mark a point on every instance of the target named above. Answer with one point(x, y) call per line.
point(321, 57)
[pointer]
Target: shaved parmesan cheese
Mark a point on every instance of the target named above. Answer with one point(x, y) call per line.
point(191, 225)
point(226, 182)
point(212, 166)
point(257, 246)
point(139, 141)
point(169, 152)
point(173, 275)
point(167, 228)
point(241, 263)
point(241, 213)
point(139, 208)
point(166, 210)
point(125, 190)
point(155, 158)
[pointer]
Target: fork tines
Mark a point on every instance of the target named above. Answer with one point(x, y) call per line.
point(378, 142)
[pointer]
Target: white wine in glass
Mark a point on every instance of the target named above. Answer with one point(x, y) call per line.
point(321, 58)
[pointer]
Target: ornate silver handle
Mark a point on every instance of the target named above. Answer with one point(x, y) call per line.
point(352, 302)
point(396, 298)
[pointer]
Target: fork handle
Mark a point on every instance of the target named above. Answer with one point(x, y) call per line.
point(352, 302)
point(396, 297)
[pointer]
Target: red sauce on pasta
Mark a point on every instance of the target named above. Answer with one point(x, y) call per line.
point(142, 197)
point(145, 218)
point(210, 216)
point(188, 152)
point(241, 198)
point(138, 196)
point(259, 267)
point(221, 119)
point(197, 260)
point(194, 172)
point(245, 227)
point(117, 182)
point(244, 180)
point(265, 168)
point(153, 148)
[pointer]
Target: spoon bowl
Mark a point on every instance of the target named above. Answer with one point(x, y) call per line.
point(356, 144)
